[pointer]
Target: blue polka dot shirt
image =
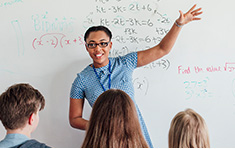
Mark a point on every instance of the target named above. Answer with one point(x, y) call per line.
point(88, 85)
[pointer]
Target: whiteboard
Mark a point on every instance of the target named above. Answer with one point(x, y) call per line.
point(42, 44)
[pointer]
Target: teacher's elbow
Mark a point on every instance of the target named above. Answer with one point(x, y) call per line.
point(78, 123)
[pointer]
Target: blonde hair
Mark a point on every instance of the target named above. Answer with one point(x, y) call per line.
point(188, 130)
point(114, 123)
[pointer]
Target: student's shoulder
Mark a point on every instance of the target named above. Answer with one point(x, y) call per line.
point(32, 144)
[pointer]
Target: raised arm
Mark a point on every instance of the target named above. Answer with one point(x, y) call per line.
point(164, 47)
point(75, 114)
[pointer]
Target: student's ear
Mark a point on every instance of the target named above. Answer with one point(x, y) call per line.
point(31, 119)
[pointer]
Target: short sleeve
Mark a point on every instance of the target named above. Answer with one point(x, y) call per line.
point(77, 91)
point(130, 60)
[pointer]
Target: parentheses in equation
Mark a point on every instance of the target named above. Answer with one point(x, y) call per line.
point(56, 43)
point(147, 85)
point(168, 62)
point(61, 44)
point(53, 34)
point(33, 43)
point(142, 84)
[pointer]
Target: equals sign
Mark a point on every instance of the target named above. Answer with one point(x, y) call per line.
point(144, 22)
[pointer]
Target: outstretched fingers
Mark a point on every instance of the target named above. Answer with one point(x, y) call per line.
point(196, 12)
point(189, 16)
point(191, 9)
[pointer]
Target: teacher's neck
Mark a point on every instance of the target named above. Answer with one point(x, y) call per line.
point(97, 65)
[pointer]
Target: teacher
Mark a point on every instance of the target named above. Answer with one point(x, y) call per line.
point(106, 73)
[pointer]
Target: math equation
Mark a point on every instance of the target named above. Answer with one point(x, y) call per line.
point(197, 89)
point(56, 40)
point(227, 67)
point(141, 85)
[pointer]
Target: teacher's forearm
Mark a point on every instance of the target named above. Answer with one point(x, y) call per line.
point(169, 40)
point(79, 123)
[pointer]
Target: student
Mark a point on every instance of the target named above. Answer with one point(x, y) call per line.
point(106, 73)
point(114, 123)
point(20, 105)
point(188, 130)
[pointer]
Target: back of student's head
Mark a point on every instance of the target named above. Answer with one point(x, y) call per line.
point(188, 130)
point(17, 104)
point(114, 123)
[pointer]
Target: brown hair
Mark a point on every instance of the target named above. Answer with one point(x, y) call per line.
point(188, 130)
point(114, 123)
point(17, 103)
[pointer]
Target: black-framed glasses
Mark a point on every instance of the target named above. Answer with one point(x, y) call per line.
point(94, 45)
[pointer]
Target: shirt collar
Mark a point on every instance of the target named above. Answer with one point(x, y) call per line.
point(16, 136)
point(103, 70)
point(12, 140)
